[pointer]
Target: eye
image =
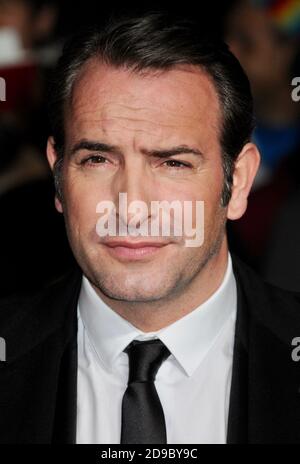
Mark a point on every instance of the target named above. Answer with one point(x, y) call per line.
point(94, 159)
point(177, 164)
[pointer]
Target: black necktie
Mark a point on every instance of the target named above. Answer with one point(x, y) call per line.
point(143, 420)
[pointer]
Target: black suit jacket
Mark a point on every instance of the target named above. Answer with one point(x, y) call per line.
point(38, 380)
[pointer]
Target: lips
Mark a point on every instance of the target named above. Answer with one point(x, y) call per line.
point(130, 250)
point(128, 244)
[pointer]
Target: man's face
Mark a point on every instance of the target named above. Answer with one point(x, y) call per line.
point(136, 117)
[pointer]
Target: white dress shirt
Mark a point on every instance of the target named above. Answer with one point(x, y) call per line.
point(193, 384)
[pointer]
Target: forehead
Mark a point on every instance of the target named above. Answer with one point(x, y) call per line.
point(107, 98)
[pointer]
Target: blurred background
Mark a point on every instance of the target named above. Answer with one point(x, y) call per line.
point(263, 34)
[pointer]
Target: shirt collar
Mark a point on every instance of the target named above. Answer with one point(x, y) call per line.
point(188, 339)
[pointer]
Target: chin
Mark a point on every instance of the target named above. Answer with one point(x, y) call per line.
point(137, 290)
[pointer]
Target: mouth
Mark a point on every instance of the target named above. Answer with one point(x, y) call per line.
point(133, 251)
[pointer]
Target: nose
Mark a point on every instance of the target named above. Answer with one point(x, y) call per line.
point(133, 206)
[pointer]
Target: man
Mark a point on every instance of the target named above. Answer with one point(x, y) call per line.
point(152, 340)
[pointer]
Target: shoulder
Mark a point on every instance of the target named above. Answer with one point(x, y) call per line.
point(15, 307)
point(276, 309)
point(26, 320)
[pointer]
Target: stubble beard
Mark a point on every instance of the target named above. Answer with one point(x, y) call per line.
point(172, 285)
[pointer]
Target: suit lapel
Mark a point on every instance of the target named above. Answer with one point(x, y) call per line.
point(237, 431)
point(264, 400)
point(64, 429)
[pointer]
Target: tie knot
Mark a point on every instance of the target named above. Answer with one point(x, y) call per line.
point(145, 358)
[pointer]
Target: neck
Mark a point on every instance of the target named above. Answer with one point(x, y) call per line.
point(155, 315)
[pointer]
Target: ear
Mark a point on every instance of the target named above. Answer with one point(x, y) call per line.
point(246, 167)
point(52, 157)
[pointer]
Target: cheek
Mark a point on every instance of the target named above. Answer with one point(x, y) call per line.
point(80, 204)
point(214, 213)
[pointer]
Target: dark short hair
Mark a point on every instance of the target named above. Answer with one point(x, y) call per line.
point(154, 41)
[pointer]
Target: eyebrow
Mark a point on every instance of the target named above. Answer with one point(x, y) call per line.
point(91, 145)
point(179, 150)
point(95, 146)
